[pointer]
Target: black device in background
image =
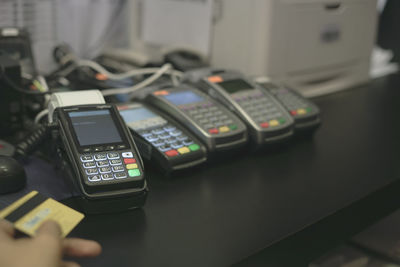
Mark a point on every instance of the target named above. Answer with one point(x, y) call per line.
point(212, 123)
point(162, 140)
point(17, 69)
point(6, 149)
point(305, 113)
point(267, 120)
point(103, 161)
point(388, 28)
point(12, 175)
point(11, 107)
point(16, 43)
point(185, 60)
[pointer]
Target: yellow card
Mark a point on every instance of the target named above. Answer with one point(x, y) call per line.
point(30, 211)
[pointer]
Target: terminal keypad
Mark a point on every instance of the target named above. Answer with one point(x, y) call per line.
point(261, 108)
point(105, 166)
point(295, 104)
point(168, 139)
point(210, 117)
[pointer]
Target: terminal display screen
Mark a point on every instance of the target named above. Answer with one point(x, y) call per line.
point(184, 97)
point(237, 85)
point(136, 114)
point(94, 127)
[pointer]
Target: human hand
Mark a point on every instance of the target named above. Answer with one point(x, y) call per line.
point(46, 249)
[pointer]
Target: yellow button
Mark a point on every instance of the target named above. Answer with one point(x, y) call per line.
point(224, 129)
point(301, 111)
point(131, 166)
point(273, 123)
point(183, 150)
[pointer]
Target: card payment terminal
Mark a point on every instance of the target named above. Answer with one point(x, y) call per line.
point(304, 112)
point(212, 123)
point(160, 139)
point(267, 120)
point(99, 156)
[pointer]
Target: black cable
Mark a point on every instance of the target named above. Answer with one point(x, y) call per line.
point(16, 87)
point(64, 55)
point(32, 141)
point(61, 51)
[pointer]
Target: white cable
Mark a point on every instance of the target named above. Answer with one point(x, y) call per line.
point(176, 76)
point(115, 91)
point(120, 76)
point(175, 81)
point(40, 115)
point(67, 71)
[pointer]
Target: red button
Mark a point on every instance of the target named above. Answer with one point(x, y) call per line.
point(101, 77)
point(264, 125)
point(161, 92)
point(213, 131)
point(293, 112)
point(129, 161)
point(215, 79)
point(171, 153)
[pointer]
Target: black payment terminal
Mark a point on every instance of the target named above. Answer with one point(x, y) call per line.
point(212, 123)
point(267, 120)
point(103, 160)
point(304, 112)
point(162, 140)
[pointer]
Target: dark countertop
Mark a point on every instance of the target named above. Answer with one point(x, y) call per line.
point(267, 207)
point(223, 213)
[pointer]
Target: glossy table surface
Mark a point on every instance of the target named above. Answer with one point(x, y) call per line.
point(234, 211)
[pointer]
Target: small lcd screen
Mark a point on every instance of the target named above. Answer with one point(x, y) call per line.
point(236, 85)
point(136, 114)
point(94, 127)
point(184, 97)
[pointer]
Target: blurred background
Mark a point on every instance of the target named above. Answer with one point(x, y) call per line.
point(340, 45)
point(143, 31)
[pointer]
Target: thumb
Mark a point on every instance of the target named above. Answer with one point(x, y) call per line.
point(48, 243)
point(49, 228)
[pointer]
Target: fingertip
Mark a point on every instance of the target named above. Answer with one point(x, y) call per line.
point(90, 248)
point(77, 247)
point(96, 248)
point(70, 264)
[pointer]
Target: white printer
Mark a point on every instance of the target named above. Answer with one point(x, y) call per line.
point(315, 46)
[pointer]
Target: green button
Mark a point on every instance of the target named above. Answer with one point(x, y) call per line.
point(308, 109)
point(194, 147)
point(233, 126)
point(134, 173)
point(282, 120)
